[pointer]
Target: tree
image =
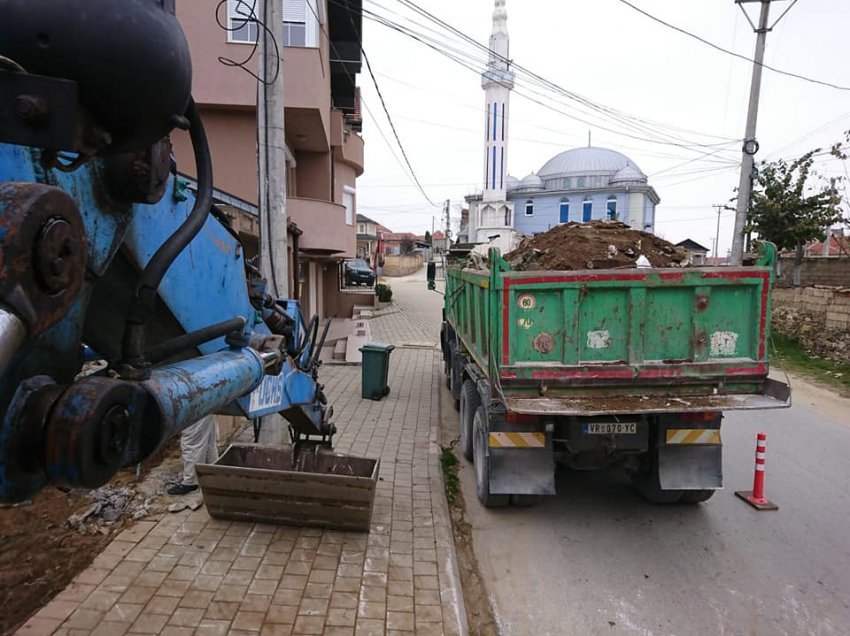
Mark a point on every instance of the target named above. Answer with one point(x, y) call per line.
point(792, 205)
point(407, 246)
point(428, 238)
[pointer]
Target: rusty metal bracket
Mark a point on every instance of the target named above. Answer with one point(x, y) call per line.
point(39, 111)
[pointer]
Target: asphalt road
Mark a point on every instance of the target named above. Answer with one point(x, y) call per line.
point(596, 559)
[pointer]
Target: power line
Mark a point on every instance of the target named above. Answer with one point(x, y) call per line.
point(445, 50)
point(515, 121)
point(377, 88)
point(473, 62)
point(732, 53)
point(541, 81)
point(395, 132)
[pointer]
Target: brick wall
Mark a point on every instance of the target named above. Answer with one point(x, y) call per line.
point(830, 305)
point(816, 271)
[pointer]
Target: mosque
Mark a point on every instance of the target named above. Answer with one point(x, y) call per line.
point(577, 185)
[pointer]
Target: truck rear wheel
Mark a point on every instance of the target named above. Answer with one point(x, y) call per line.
point(469, 403)
point(646, 482)
point(455, 377)
point(482, 464)
point(695, 496)
point(447, 365)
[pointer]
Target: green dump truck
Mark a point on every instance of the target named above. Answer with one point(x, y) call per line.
point(601, 367)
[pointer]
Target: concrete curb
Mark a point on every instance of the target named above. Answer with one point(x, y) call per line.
point(450, 584)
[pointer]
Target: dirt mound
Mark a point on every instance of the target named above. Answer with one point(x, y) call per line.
point(594, 245)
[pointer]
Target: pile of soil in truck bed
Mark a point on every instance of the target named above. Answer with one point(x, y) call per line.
point(594, 245)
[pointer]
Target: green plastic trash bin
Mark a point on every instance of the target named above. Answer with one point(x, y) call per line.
point(376, 368)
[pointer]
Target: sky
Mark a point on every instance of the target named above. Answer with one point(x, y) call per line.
point(611, 55)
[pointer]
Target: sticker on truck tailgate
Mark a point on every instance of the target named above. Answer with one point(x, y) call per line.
point(598, 339)
point(269, 394)
point(610, 428)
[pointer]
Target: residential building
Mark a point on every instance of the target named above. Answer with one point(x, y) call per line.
point(440, 242)
point(699, 253)
point(837, 245)
point(321, 49)
point(396, 243)
point(367, 236)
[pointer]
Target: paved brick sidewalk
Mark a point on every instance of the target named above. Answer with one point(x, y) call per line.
point(187, 573)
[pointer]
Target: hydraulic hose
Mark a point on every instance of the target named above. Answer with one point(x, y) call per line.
point(192, 339)
point(143, 303)
point(312, 326)
point(317, 346)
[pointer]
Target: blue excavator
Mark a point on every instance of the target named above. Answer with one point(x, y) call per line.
point(105, 254)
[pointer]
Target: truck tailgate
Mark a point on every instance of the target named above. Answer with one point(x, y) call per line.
point(636, 340)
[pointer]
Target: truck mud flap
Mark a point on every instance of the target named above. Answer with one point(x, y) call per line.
point(690, 466)
point(521, 470)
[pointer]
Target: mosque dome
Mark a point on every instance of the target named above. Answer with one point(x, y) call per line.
point(530, 183)
point(628, 174)
point(511, 183)
point(586, 161)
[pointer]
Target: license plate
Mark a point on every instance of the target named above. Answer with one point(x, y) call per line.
point(610, 428)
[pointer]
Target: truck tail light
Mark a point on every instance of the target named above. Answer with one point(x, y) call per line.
point(521, 418)
point(698, 418)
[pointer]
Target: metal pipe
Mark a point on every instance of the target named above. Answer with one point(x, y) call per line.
point(193, 339)
point(270, 358)
point(13, 332)
point(188, 390)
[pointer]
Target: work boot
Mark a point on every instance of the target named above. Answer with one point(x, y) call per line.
point(182, 489)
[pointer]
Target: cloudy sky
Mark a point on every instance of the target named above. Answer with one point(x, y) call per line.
point(690, 99)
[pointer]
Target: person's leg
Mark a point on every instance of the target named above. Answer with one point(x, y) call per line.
point(193, 448)
point(212, 441)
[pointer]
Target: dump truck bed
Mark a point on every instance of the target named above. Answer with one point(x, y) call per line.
point(619, 341)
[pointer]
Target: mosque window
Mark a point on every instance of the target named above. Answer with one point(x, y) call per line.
point(580, 181)
point(611, 206)
point(529, 208)
point(587, 209)
point(564, 211)
point(566, 184)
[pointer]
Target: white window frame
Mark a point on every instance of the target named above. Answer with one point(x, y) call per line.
point(563, 202)
point(349, 211)
point(309, 13)
point(611, 199)
point(529, 205)
point(238, 11)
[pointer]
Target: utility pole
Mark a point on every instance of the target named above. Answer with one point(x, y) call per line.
point(750, 147)
point(448, 208)
point(717, 235)
point(271, 142)
point(274, 257)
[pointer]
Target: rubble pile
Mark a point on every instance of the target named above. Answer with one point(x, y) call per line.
point(109, 505)
point(809, 329)
point(595, 245)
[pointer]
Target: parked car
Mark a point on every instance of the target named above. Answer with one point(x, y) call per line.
point(357, 272)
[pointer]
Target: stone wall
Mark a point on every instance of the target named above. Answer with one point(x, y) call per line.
point(832, 305)
point(397, 265)
point(816, 271)
point(817, 317)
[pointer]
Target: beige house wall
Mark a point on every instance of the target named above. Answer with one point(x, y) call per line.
point(232, 135)
point(328, 157)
